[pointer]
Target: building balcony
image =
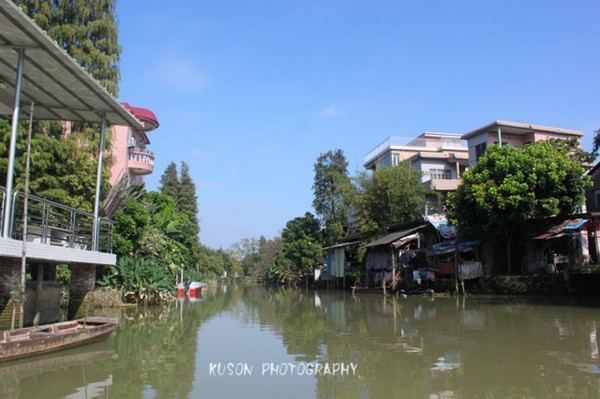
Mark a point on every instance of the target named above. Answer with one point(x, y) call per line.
point(443, 184)
point(55, 233)
point(141, 161)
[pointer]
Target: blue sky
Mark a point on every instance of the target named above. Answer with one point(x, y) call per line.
point(249, 93)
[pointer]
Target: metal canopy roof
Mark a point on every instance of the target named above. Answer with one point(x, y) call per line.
point(57, 85)
point(390, 238)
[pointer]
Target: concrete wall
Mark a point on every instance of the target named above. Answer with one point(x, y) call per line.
point(42, 305)
point(9, 268)
point(83, 279)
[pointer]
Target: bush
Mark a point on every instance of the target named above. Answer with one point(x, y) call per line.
point(107, 297)
point(141, 281)
point(534, 284)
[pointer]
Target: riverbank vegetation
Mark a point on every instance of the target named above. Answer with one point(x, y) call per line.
point(370, 202)
point(156, 233)
point(506, 187)
point(157, 244)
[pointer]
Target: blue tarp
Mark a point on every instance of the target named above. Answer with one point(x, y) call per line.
point(441, 225)
point(449, 246)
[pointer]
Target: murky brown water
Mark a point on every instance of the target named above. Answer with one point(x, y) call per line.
point(249, 342)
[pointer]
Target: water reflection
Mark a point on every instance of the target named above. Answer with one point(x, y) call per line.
point(247, 341)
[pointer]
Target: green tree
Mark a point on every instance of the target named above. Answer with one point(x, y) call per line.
point(59, 169)
point(169, 182)
point(86, 29)
point(509, 185)
point(268, 252)
point(182, 191)
point(301, 240)
point(187, 200)
point(596, 142)
point(331, 194)
point(246, 251)
point(169, 231)
point(130, 224)
point(257, 256)
point(389, 196)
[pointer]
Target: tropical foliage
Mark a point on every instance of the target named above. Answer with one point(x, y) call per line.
point(149, 233)
point(140, 280)
point(154, 228)
point(60, 170)
point(301, 246)
point(389, 196)
point(508, 185)
point(331, 190)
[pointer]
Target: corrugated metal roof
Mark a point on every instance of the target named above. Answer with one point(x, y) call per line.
point(558, 228)
point(390, 238)
point(57, 85)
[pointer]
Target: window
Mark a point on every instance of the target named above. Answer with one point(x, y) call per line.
point(597, 195)
point(479, 150)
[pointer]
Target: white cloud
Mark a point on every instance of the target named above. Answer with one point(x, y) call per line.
point(180, 75)
point(329, 112)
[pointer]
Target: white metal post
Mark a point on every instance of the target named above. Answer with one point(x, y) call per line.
point(13, 144)
point(96, 232)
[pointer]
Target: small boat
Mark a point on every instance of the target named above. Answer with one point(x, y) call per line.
point(30, 341)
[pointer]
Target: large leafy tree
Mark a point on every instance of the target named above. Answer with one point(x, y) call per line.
point(59, 170)
point(130, 224)
point(64, 170)
point(86, 29)
point(509, 185)
point(331, 200)
point(246, 252)
point(268, 251)
point(257, 256)
point(182, 191)
point(301, 239)
point(389, 196)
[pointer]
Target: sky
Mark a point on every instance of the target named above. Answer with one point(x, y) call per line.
point(249, 93)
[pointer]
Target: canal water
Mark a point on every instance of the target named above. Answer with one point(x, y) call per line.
point(251, 342)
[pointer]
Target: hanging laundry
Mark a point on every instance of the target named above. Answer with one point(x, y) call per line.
point(469, 270)
point(417, 276)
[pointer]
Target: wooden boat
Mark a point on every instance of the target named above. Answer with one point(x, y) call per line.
point(54, 361)
point(30, 341)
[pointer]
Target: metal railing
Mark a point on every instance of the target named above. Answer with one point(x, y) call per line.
point(51, 223)
point(2, 195)
point(141, 155)
point(383, 146)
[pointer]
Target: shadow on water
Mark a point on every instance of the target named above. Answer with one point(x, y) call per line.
point(419, 347)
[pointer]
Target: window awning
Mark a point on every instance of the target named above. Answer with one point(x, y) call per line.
point(57, 85)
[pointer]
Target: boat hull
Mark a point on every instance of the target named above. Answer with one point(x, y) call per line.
point(31, 341)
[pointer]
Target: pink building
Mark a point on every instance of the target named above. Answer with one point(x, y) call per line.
point(441, 158)
point(129, 152)
point(513, 134)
